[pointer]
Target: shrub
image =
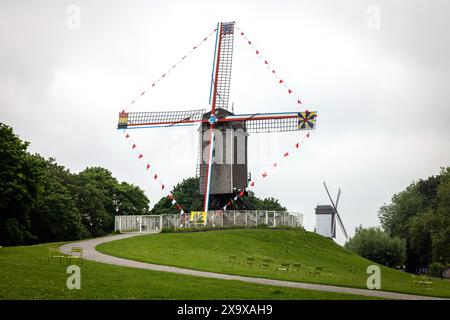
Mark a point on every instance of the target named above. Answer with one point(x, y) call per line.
point(435, 269)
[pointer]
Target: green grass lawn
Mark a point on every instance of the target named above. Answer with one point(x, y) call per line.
point(26, 274)
point(210, 251)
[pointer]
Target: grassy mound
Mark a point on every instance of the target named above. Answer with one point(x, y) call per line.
point(26, 274)
point(211, 251)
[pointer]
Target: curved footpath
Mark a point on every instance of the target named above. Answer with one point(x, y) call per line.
point(89, 253)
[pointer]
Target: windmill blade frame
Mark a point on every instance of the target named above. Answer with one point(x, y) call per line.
point(341, 224)
point(333, 216)
point(158, 119)
point(275, 121)
point(329, 196)
point(338, 197)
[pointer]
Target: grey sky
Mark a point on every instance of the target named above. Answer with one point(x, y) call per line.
point(382, 94)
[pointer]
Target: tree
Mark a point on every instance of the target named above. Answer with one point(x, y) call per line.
point(187, 195)
point(376, 245)
point(55, 216)
point(19, 183)
point(42, 201)
point(441, 234)
point(270, 203)
point(421, 216)
point(130, 200)
point(90, 202)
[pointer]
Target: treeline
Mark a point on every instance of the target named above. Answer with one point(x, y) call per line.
point(415, 228)
point(187, 195)
point(421, 216)
point(41, 201)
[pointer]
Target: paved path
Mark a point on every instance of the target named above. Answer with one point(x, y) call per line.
point(89, 253)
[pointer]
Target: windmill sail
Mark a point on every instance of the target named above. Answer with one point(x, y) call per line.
point(223, 60)
point(159, 119)
point(341, 225)
point(335, 216)
point(275, 122)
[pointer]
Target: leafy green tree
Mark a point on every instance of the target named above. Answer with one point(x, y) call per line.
point(187, 195)
point(270, 203)
point(102, 179)
point(440, 235)
point(90, 202)
point(55, 216)
point(42, 201)
point(420, 216)
point(19, 183)
point(376, 245)
point(130, 200)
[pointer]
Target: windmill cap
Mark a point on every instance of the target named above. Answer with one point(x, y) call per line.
point(324, 209)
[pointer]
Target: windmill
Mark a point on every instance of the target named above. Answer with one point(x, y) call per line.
point(327, 215)
point(223, 134)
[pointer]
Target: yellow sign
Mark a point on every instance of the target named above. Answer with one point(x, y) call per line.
point(198, 217)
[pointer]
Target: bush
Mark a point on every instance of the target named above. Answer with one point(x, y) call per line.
point(435, 269)
point(375, 245)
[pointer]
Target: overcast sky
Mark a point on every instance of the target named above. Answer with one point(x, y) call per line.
point(377, 72)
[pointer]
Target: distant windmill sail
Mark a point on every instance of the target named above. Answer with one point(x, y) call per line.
point(335, 215)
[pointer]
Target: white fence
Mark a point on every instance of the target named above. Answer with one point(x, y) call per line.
point(217, 218)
